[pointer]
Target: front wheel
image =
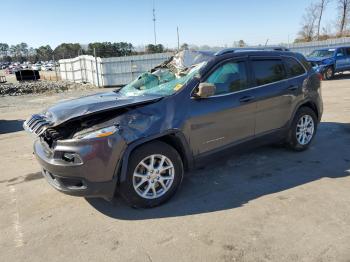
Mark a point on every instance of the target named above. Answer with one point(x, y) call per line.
point(155, 171)
point(328, 73)
point(303, 129)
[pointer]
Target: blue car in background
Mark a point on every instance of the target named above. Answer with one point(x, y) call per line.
point(329, 61)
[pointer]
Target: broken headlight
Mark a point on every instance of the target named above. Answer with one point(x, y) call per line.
point(103, 132)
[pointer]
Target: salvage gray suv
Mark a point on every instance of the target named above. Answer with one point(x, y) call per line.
point(140, 139)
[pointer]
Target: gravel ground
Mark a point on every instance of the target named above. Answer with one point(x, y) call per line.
point(38, 87)
point(270, 204)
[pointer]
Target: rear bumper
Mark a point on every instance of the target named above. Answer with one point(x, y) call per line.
point(92, 173)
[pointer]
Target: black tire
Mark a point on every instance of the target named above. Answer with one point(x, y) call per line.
point(328, 73)
point(127, 189)
point(292, 140)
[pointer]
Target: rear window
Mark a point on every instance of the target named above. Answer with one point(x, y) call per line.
point(294, 67)
point(341, 52)
point(268, 71)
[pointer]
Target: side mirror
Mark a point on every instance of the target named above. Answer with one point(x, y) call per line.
point(339, 54)
point(205, 90)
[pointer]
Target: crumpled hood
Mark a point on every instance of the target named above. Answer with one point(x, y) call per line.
point(70, 109)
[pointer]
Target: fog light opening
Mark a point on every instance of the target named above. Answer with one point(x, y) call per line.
point(72, 183)
point(69, 157)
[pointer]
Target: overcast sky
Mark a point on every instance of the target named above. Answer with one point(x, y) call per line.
point(201, 22)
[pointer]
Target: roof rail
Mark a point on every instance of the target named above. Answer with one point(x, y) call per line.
point(242, 49)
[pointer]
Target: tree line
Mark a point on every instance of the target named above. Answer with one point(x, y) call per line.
point(312, 27)
point(22, 52)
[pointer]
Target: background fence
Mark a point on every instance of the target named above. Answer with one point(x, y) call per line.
point(114, 71)
point(118, 71)
point(307, 48)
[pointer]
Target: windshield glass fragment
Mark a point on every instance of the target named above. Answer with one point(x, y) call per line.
point(169, 77)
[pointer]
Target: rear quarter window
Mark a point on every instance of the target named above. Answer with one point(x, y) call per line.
point(303, 61)
point(268, 71)
point(294, 68)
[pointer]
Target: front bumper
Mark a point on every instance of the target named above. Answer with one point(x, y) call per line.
point(93, 171)
point(80, 186)
point(319, 68)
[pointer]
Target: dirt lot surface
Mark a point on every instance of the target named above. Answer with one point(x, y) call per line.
point(266, 205)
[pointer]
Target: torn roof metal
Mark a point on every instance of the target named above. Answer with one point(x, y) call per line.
point(188, 58)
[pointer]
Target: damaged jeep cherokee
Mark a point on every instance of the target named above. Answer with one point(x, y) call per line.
point(138, 140)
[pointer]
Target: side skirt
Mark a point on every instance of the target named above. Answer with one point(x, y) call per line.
point(244, 146)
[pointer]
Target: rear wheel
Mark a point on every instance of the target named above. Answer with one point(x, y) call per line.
point(303, 129)
point(328, 73)
point(154, 173)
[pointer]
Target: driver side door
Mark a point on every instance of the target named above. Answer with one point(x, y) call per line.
point(228, 116)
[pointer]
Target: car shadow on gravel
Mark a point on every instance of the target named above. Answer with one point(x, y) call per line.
point(341, 76)
point(239, 179)
point(10, 126)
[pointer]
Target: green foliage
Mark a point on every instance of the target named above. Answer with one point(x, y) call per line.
point(4, 48)
point(184, 46)
point(151, 49)
point(67, 50)
point(108, 49)
point(22, 52)
point(44, 53)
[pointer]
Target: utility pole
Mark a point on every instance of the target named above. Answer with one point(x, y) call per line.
point(54, 62)
point(267, 41)
point(97, 77)
point(154, 24)
point(178, 39)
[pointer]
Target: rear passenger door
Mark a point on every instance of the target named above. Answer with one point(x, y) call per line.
point(272, 94)
point(347, 52)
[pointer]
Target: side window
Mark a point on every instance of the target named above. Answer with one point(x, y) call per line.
point(340, 52)
point(268, 71)
point(229, 77)
point(348, 51)
point(294, 67)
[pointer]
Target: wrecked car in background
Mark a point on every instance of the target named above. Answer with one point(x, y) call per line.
point(139, 140)
point(329, 61)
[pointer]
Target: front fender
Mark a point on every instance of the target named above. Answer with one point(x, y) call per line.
point(186, 151)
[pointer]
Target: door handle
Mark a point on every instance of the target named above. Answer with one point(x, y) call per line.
point(246, 99)
point(293, 87)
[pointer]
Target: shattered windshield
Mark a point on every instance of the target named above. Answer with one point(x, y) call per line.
point(162, 82)
point(322, 53)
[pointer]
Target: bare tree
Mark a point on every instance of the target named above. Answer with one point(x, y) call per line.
point(239, 43)
point(307, 32)
point(321, 6)
point(344, 13)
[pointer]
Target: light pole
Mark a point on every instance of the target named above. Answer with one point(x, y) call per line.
point(154, 24)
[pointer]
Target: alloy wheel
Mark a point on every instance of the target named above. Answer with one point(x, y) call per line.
point(305, 129)
point(153, 176)
point(329, 73)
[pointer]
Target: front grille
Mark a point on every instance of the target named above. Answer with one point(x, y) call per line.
point(36, 124)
